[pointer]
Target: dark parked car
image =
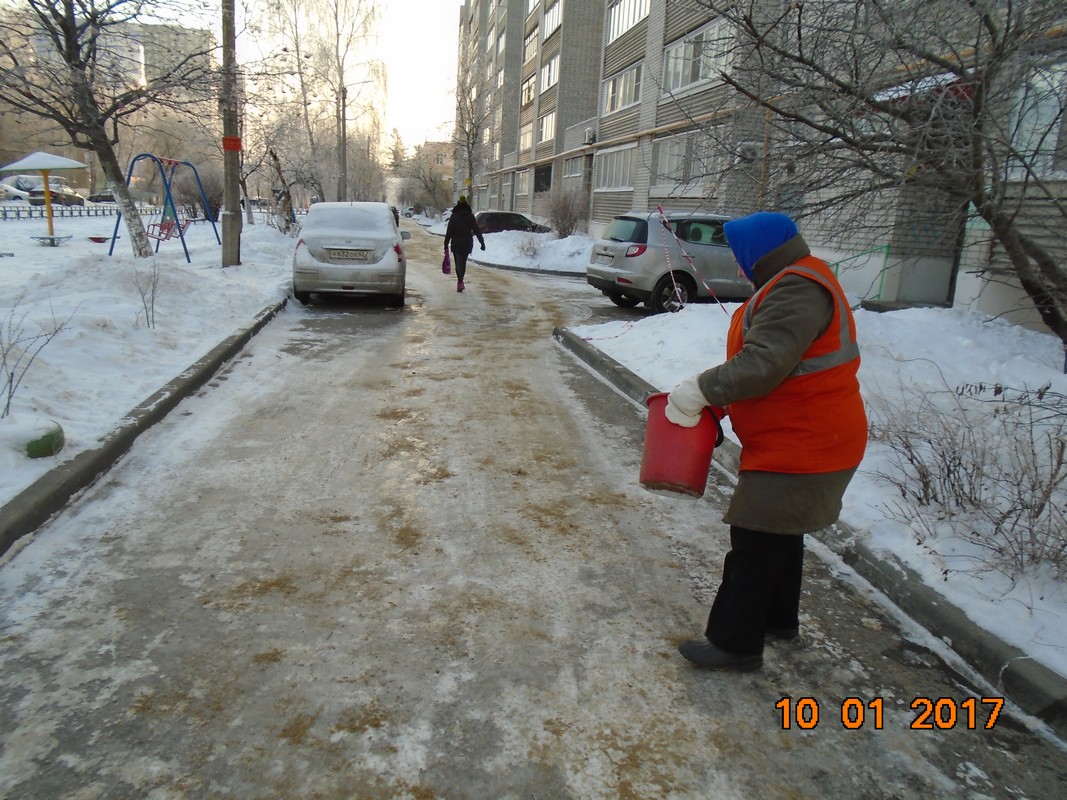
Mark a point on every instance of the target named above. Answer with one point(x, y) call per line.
point(496, 221)
point(101, 197)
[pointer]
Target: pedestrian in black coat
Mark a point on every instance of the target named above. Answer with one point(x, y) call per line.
point(461, 230)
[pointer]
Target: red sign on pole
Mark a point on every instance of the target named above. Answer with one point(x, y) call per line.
point(231, 143)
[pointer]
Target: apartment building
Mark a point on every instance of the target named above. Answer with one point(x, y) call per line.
point(622, 102)
point(537, 74)
point(576, 101)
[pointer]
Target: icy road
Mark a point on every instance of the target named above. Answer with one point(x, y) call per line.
point(404, 554)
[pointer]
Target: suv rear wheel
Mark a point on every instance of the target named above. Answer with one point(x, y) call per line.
point(671, 292)
point(622, 300)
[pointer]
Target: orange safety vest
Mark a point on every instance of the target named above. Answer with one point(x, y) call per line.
point(814, 421)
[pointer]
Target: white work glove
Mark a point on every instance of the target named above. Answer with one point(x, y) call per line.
point(685, 402)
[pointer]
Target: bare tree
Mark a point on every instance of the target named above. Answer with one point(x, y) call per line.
point(291, 67)
point(366, 171)
point(472, 120)
point(426, 184)
point(316, 75)
point(258, 132)
point(350, 24)
point(78, 64)
point(953, 106)
point(397, 153)
point(282, 209)
point(19, 348)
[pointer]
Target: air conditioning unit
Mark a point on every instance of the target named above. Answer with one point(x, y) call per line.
point(590, 135)
point(749, 152)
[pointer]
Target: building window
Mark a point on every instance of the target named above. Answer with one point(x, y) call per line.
point(1040, 135)
point(572, 167)
point(543, 179)
point(530, 6)
point(528, 91)
point(526, 136)
point(500, 78)
point(546, 127)
point(500, 44)
point(669, 160)
point(615, 169)
point(553, 18)
point(529, 46)
point(623, 90)
point(522, 182)
point(683, 164)
point(623, 15)
point(550, 73)
point(701, 56)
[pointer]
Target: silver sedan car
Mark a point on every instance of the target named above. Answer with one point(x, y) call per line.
point(642, 259)
point(350, 248)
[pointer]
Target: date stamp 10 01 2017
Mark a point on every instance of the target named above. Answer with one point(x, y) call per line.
point(931, 713)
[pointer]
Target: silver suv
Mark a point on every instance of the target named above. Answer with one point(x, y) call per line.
point(638, 260)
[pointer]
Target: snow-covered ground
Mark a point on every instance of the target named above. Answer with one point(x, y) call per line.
point(106, 358)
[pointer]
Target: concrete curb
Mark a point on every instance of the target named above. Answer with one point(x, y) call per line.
point(508, 267)
point(566, 273)
point(634, 387)
point(1033, 687)
point(32, 507)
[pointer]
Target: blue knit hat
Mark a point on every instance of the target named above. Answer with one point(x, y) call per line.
point(752, 237)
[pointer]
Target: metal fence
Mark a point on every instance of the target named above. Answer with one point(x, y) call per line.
point(12, 211)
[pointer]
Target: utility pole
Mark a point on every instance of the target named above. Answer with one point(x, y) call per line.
point(342, 143)
point(231, 141)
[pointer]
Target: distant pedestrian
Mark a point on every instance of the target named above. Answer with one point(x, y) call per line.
point(789, 386)
point(461, 230)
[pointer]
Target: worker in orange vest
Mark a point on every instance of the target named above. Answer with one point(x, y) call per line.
point(790, 388)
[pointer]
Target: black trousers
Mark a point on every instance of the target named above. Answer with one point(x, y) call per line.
point(459, 262)
point(760, 588)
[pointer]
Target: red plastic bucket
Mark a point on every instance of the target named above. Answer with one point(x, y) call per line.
point(676, 458)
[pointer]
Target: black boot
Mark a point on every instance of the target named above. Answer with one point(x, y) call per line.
point(706, 655)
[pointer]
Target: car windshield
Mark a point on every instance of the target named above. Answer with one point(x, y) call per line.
point(53, 183)
point(350, 218)
point(627, 229)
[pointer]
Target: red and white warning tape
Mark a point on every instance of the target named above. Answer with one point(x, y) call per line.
point(670, 270)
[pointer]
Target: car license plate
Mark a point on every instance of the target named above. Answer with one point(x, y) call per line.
point(349, 255)
point(604, 258)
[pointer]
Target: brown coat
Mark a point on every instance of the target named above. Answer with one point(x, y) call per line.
point(792, 315)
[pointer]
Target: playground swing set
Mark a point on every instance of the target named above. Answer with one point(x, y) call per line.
point(170, 223)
